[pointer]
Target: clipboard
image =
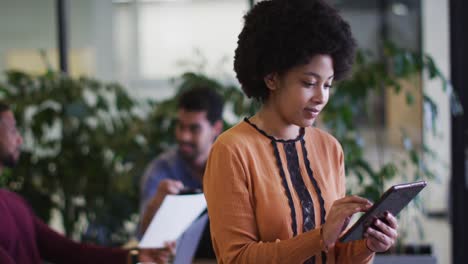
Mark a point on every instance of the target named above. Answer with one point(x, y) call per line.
point(393, 200)
point(176, 214)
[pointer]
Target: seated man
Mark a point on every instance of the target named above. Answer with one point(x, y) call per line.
point(199, 123)
point(27, 240)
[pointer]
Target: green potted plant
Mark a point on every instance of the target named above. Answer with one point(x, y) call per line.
point(86, 144)
point(78, 152)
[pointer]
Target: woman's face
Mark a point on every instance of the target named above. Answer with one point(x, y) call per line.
point(300, 94)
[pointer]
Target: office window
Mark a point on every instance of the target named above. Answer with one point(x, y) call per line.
point(155, 40)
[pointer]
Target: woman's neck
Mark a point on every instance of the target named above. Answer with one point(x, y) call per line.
point(270, 121)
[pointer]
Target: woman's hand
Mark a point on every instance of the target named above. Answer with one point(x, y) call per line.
point(339, 215)
point(381, 236)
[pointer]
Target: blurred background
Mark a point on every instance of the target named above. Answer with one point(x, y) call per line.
point(92, 83)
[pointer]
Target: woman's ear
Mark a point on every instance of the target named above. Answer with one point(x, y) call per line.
point(271, 81)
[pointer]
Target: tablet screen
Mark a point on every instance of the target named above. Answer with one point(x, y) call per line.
point(393, 200)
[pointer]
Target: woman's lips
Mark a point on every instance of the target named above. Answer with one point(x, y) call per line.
point(313, 112)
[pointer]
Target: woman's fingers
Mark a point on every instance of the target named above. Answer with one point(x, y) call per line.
point(379, 236)
point(383, 235)
point(347, 210)
point(386, 229)
point(353, 199)
point(350, 205)
point(340, 212)
point(375, 244)
point(392, 221)
point(377, 240)
point(346, 223)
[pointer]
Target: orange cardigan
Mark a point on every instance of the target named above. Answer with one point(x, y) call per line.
point(254, 217)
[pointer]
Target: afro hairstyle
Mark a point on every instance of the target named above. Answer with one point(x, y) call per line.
point(281, 34)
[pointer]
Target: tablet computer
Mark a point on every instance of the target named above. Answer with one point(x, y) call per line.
point(393, 200)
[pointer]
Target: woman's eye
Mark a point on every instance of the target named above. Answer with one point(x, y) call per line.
point(309, 83)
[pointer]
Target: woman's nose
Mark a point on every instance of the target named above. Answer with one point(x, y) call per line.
point(319, 95)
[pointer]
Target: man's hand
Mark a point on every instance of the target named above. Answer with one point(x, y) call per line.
point(339, 215)
point(158, 255)
point(168, 186)
point(165, 187)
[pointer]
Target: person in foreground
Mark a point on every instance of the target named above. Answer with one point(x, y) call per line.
point(27, 240)
point(275, 185)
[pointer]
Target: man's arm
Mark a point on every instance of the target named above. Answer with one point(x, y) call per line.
point(165, 187)
point(56, 248)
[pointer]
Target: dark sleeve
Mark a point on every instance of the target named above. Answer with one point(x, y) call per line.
point(55, 248)
point(5, 258)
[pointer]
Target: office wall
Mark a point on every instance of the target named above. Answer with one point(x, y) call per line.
point(27, 26)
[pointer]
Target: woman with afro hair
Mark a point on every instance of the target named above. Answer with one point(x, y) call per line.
point(275, 185)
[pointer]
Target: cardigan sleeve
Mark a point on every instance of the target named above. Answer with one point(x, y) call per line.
point(356, 251)
point(232, 217)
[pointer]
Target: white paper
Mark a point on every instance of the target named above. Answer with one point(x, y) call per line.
point(174, 216)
